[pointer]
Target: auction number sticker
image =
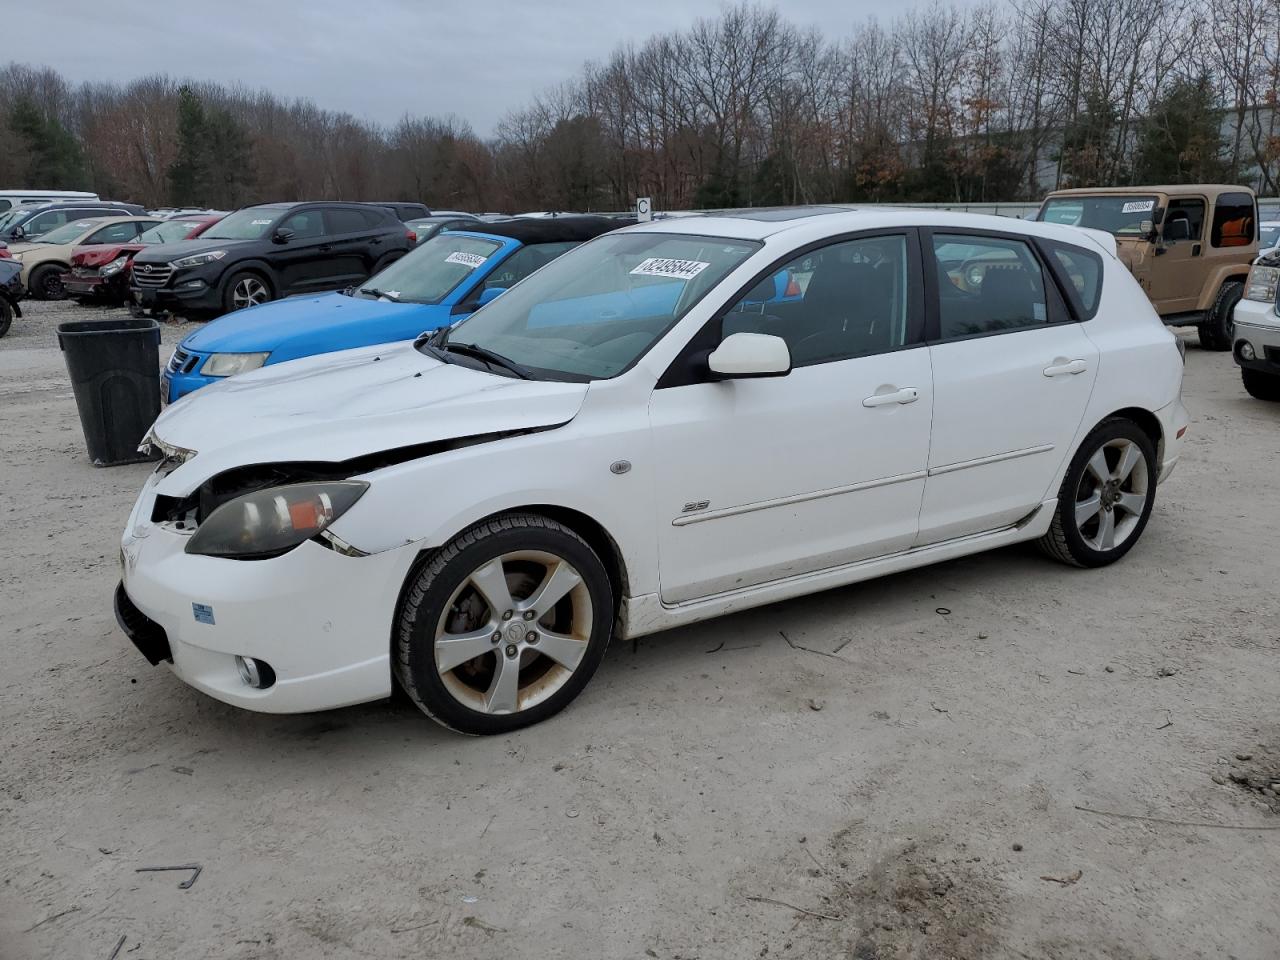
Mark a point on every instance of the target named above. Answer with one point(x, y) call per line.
point(678, 269)
point(469, 260)
point(260, 223)
point(1138, 206)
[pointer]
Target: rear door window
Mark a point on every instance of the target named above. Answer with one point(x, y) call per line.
point(346, 221)
point(987, 285)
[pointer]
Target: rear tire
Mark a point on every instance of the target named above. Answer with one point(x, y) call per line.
point(1219, 327)
point(46, 283)
point(1106, 497)
point(1263, 386)
point(6, 316)
point(504, 625)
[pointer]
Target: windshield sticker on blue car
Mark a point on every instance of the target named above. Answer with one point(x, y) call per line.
point(1138, 206)
point(260, 223)
point(661, 267)
point(203, 613)
point(470, 260)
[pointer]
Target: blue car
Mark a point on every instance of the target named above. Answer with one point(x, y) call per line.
point(437, 284)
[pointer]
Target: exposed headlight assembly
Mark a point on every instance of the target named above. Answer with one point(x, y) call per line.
point(198, 259)
point(273, 521)
point(229, 364)
point(1262, 283)
point(114, 267)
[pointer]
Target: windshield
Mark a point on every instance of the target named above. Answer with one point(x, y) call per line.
point(171, 231)
point(1268, 234)
point(68, 232)
point(593, 312)
point(1119, 215)
point(250, 224)
point(10, 217)
point(431, 271)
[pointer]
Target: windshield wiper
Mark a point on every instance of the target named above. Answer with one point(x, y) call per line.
point(375, 292)
point(485, 355)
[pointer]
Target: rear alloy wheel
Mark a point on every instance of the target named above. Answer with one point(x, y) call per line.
point(1219, 327)
point(504, 626)
point(247, 290)
point(1105, 498)
point(1262, 386)
point(46, 283)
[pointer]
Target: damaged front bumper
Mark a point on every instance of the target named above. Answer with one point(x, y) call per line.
point(322, 620)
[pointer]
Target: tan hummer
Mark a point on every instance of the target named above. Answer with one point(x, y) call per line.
point(1190, 246)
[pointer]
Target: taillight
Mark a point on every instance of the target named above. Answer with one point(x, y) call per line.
point(411, 237)
point(5, 254)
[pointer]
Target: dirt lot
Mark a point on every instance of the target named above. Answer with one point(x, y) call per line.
point(905, 781)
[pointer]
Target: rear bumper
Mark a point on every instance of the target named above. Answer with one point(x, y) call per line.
point(1174, 421)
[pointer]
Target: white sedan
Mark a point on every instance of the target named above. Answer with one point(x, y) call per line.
point(671, 422)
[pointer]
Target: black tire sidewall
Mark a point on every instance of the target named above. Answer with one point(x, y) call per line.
point(228, 292)
point(1261, 386)
point(1216, 332)
point(418, 632)
point(1080, 551)
point(38, 282)
point(6, 316)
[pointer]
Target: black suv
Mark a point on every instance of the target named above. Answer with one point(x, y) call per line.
point(402, 209)
point(27, 223)
point(266, 252)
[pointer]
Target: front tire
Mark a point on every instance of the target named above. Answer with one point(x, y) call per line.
point(46, 283)
point(1219, 327)
point(1106, 497)
point(1263, 386)
point(504, 625)
point(246, 289)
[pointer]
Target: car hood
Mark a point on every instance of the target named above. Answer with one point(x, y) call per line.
point(344, 405)
point(165, 252)
point(304, 326)
point(100, 254)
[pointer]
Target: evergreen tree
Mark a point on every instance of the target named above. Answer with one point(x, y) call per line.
point(54, 158)
point(1181, 139)
point(189, 176)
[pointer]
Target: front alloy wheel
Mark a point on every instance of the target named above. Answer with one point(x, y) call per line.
point(1106, 497)
point(503, 626)
point(249, 291)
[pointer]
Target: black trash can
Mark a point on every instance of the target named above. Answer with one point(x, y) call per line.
point(115, 372)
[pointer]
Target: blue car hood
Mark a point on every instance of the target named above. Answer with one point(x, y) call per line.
point(304, 326)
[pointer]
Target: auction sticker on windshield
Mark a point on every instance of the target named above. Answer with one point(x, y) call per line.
point(678, 269)
point(471, 260)
point(1138, 206)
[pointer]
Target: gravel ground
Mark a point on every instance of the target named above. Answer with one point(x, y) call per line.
point(902, 783)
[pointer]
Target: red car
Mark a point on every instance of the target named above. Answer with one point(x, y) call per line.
point(100, 272)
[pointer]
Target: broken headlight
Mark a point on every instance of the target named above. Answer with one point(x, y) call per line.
point(269, 522)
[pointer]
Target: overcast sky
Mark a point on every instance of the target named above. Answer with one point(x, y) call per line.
point(376, 59)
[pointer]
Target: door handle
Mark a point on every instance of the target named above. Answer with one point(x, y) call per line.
point(325, 247)
point(905, 395)
point(1061, 367)
point(374, 241)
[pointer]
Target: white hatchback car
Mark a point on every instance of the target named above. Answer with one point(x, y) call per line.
point(671, 422)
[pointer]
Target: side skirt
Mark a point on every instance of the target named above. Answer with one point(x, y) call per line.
point(648, 614)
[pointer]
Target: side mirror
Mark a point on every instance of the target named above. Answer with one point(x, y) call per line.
point(282, 235)
point(489, 294)
point(17, 233)
point(742, 355)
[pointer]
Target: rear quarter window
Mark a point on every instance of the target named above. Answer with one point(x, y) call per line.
point(1079, 274)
